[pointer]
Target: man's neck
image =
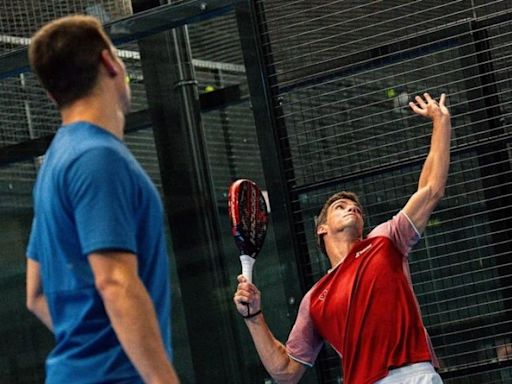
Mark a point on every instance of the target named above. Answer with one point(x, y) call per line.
point(338, 247)
point(97, 111)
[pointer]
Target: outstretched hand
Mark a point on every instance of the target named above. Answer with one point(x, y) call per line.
point(247, 297)
point(430, 108)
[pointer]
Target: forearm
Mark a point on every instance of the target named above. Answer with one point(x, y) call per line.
point(435, 169)
point(272, 353)
point(134, 320)
point(433, 176)
point(36, 299)
point(39, 307)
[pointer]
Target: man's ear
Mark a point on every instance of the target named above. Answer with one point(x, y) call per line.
point(321, 229)
point(108, 62)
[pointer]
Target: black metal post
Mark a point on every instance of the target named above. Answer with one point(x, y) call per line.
point(271, 139)
point(174, 105)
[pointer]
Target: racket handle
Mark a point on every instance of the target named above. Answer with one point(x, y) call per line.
point(247, 264)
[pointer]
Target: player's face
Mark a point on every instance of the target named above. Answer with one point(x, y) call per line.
point(343, 214)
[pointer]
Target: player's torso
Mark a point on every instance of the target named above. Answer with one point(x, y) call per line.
point(366, 306)
point(68, 278)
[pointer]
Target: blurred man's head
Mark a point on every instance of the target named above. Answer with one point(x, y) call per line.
point(66, 54)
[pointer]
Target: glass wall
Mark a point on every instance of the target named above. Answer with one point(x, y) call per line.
point(210, 340)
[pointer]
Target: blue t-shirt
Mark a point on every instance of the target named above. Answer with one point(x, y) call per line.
point(92, 195)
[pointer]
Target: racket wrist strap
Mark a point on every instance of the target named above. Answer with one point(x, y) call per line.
point(251, 315)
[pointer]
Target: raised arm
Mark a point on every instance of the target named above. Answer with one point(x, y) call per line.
point(272, 353)
point(132, 314)
point(434, 173)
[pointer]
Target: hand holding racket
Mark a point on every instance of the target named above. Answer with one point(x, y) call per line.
point(249, 217)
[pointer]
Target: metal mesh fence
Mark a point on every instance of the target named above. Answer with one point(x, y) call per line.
point(27, 113)
point(230, 133)
point(21, 18)
point(343, 73)
point(216, 40)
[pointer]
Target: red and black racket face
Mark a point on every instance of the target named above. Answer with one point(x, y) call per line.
point(249, 216)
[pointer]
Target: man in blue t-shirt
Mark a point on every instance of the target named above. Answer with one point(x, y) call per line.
point(97, 270)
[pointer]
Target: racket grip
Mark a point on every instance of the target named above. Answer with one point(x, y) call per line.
point(247, 264)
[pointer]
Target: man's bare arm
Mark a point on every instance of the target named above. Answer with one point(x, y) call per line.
point(434, 173)
point(272, 353)
point(36, 299)
point(132, 315)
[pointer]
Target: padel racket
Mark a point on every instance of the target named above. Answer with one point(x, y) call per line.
point(249, 217)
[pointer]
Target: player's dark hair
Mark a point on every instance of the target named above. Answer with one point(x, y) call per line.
point(65, 54)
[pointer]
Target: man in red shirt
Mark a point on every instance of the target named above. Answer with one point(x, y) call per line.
point(364, 306)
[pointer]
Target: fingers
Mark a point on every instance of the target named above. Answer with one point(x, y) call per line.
point(241, 279)
point(244, 284)
point(242, 297)
point(245, 290)
point(442, 100)
point(415, 108)
point(426, 106)
point(428, 98)
point(247, 287)
point(422, 109)
point(247, 297)
point(421, 102)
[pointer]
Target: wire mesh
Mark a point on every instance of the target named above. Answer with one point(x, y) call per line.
point(233, 150)
point(16, 182)
point(27, 111)
point(216, 40)
point(21, 18)
point(230, 134)
point(343, 73)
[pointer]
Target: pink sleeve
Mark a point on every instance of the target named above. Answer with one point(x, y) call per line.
point(304, 343)
point(400, 230)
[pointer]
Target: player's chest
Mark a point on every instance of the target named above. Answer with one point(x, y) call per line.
point(367, 269)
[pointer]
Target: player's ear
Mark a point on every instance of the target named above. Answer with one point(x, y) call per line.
point(108, 62)
point(321, 229)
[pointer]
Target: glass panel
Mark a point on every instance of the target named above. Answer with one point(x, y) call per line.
point(232, 152)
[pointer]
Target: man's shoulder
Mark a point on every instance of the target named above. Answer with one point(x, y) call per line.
point(399, 222)
point(400, 230)
point(86, 134)
point(74, 140)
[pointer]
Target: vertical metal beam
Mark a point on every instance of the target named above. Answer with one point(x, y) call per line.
point(174, 105)
point(271, 134)
point(262, 103)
